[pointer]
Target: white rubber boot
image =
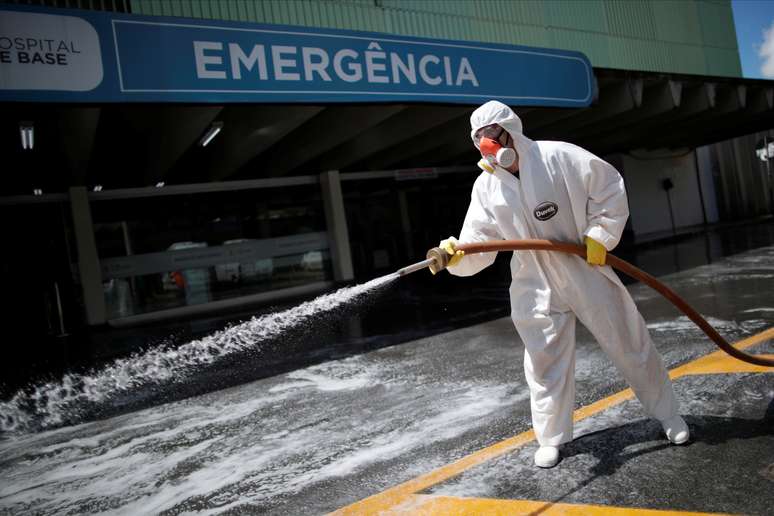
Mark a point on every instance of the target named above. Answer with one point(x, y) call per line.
point(676, 430)
point(547, 456)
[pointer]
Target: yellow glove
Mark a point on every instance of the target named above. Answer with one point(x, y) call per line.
point(485, 166)
point(595, 252)
point(450, 246)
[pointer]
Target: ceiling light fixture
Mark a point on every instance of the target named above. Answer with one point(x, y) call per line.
point(27, 131)
point(211, 133)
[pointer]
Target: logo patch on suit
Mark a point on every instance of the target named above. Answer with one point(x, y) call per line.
point(546, 210)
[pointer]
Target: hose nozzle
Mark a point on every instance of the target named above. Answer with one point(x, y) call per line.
point(440, 259)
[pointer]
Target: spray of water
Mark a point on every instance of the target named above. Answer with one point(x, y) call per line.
point(56, 403)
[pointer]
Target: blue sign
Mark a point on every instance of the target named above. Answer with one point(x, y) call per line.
point(87, 56)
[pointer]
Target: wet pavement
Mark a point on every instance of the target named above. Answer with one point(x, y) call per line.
point(424, 305)
point(438, 424)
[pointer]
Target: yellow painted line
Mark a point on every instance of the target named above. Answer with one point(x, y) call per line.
point(426, 505)
point(719, 362)
point(399, 494)
point(604, 403)
point(384, 502)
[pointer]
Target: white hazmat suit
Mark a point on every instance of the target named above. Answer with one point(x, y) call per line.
point(563, 193)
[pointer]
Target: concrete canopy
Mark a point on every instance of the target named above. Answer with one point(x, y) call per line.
point(133, 145)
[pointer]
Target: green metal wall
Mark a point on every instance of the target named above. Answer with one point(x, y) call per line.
point(677, 36)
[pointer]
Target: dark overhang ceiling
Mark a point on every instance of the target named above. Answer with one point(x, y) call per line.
point(129, 145)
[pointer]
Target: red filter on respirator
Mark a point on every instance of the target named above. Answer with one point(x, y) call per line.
point(495, 153)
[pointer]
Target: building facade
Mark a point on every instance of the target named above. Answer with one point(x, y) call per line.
point(158, 207)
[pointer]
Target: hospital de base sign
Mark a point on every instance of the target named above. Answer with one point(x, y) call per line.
point(68, 55)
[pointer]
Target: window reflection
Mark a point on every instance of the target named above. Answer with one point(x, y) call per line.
point(173, 251)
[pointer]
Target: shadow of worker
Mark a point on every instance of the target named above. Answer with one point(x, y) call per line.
point(735, 449)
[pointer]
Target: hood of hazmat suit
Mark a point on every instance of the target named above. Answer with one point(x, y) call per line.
point(562, 193)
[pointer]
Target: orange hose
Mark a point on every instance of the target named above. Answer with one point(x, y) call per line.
point(628, 269)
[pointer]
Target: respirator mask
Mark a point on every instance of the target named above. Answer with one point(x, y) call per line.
point(496, 154)
point(492, 151)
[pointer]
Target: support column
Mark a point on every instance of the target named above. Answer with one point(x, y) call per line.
point(336, 222)
point(88, 259)
point(405, 222)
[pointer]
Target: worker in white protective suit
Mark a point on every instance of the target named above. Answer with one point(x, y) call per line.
point(558, 191)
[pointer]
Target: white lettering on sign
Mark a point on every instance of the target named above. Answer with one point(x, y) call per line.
point(48, 52)
point(406, 68)
point(319, 66)
point(203, 60)
point(355, 71)
point(238, 58)
point(280, 63)
point(465, 73)
point(373, 65)
point(433, 81)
